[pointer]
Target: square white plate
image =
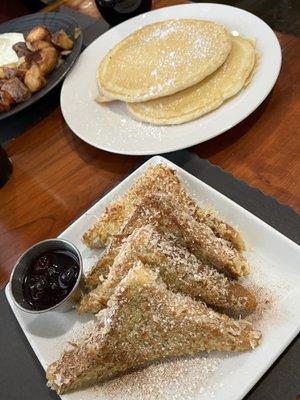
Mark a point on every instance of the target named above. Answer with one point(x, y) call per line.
point(275, 262)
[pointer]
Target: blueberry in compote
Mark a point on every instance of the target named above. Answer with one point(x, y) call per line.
point(54, 285)
point(41, 285)
point(50, 278)
point(52, 272)
point(67, 276)
point(42, 264)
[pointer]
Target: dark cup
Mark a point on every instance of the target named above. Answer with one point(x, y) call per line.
point(116, 11)
point(21, 268)
point(5, 167)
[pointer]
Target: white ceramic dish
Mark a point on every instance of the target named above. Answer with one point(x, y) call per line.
point(275, 264)
point(111, 128)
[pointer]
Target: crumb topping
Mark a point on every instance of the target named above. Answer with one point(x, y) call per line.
point(144, 322)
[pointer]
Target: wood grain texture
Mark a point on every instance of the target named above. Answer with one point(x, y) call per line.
point(263, 150)
point(57, 176)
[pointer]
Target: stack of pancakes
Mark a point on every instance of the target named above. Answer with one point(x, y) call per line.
point(174, 71)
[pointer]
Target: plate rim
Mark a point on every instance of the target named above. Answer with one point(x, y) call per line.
point(197, 140)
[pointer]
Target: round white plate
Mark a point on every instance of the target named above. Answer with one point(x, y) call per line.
point(111, 128)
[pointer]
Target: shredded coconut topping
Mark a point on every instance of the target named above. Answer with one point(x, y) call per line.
point(145, 322)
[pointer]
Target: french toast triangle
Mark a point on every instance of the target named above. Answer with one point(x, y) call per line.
point(180, 270)
point(156, 179)
point(171, 221)
point(145, 322)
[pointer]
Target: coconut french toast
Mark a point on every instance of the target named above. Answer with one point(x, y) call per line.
point(180, 270)
point(156, 179)
point(159, 210)
point(144, 322)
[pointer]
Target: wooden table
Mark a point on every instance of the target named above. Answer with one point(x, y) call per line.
point(57, 176)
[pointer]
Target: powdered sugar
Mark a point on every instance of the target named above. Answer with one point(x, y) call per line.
point(177, 379)
point(161, 59)
point(163, 32)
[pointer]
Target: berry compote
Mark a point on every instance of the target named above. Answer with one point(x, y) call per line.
point(50, 278)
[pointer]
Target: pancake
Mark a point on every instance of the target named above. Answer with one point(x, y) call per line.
point(100, 98)
point(163, 58)
point(204, 97)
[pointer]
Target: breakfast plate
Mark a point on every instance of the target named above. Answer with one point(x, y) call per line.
point(274, 261)
point(54, 22)
point(111, 128)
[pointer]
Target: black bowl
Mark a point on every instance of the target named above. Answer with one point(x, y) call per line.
point(54, 22)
